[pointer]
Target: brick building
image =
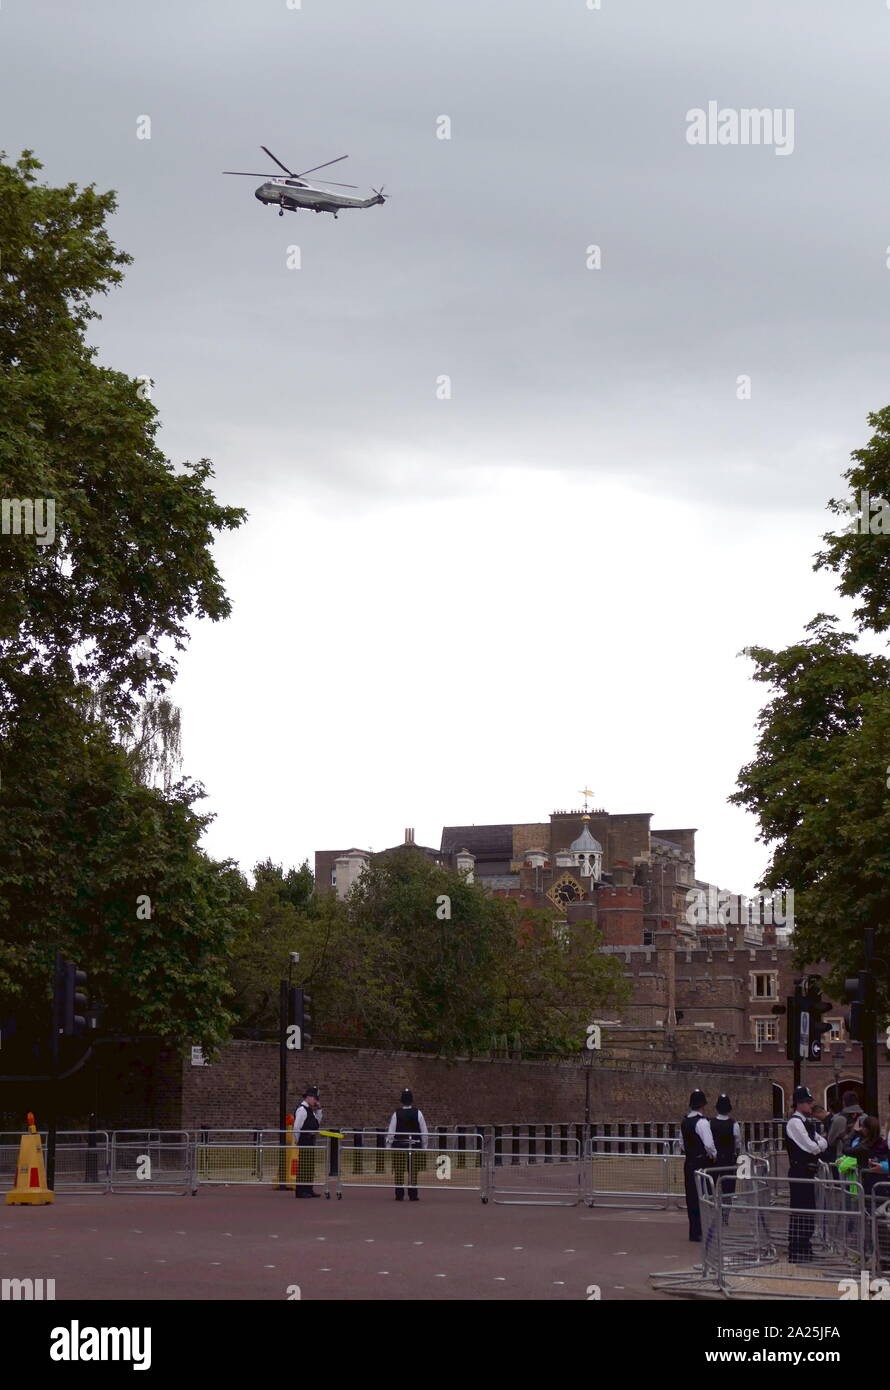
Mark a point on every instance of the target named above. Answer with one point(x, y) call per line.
point(635, 884)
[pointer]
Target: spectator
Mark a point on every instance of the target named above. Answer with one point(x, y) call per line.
point(869, 1151)
point(841, 1129)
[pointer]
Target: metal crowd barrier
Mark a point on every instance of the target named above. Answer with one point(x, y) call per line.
point(878, 1202)
point(526, 1172)
point(627, 1164)
point(756, 1244)
point(535, 1143)
point(83, 1159)
point(257, 1157)
point(151, 1160)
point(634, 1174)
point(451, 1162)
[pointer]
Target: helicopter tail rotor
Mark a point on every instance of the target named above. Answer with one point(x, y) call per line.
point(379, 194)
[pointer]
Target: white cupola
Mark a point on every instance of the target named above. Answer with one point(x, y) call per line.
point(587, 853)
point(465, 863)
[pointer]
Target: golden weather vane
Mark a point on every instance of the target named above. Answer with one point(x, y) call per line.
point(585, 792)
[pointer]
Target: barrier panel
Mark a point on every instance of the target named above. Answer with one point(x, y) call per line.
point(451, 1162)
point(523, 1175)
point(634, 1164)
point(259, 1158)
point(83, 1159)
point(532, 1143)
point(635, 1174)
point(766, 1237)
point(152, 1161)
point(878, 1202)
point(786, 1248)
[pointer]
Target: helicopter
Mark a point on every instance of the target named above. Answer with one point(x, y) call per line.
point(293, 194)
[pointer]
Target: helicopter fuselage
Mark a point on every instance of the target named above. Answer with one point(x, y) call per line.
point(290, 195)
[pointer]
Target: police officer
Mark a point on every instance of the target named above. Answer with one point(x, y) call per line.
point(307, 1119)
point(698, 1147)
point(407, 1131)
point(726, 1134)
point(803, 1146)
point(728, 1143)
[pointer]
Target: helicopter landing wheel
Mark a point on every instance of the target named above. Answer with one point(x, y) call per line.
point(281, 212)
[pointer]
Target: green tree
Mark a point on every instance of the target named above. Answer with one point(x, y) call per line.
point(554, 982)
point(108, 601)
point(96, 864)
point(151, 736)
point(418, 957)
point(272, 928)
point(863, 560)
point(819, 781)
point(95, 612)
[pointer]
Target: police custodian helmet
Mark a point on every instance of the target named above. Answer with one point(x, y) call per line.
point(407, 1097)
point(697, 1100)
point(802, 1093)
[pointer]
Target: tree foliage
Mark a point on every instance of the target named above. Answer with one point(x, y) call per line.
point(271, 929)
point(863, 560)
point(90, 623)
point(417, 957)
point(109, 871)
point(819, 781)
point(108, 601)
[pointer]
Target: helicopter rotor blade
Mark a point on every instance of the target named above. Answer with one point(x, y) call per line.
point(279, 163)
point(319, 166)
point(248, 174)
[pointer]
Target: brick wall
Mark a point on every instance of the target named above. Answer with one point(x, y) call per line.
point(360, 1088)
point(620, 914)
point(533, 836)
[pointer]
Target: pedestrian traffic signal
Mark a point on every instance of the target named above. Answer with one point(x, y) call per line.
point(74, 1001)
point(308, 1020)
point(816, 1007)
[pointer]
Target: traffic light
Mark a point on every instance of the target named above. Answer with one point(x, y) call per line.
point(74, 1001)
point(299, 1012)
point(816, 1006)
point(856, 994)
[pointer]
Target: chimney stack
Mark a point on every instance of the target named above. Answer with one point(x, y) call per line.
point(409, 836)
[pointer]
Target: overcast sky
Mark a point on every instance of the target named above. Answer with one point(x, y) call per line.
point(464, 610)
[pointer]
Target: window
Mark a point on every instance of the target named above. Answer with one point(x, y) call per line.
point(837, 1030)
point(765, 985)
point(766, 1030)
point(648, 936)
point(333, 878)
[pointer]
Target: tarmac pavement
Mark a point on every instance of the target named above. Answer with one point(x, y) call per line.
point(257, 1243)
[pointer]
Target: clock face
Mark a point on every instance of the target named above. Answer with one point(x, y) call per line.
point(565, 891)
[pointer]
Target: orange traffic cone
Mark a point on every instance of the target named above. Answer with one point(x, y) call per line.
point(30, 1175)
